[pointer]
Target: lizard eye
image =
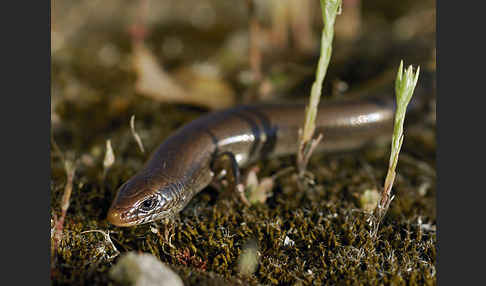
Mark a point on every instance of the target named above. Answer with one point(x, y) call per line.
point(149, 204)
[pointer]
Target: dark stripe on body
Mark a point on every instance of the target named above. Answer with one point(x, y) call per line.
point(215, 141)
point(270, 132)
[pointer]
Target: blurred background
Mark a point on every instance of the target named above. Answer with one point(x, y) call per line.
point(213, 54)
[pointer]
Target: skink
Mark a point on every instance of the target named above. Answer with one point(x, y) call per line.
point(183, 164)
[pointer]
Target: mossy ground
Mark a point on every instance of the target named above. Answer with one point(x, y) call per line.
point(93, 102)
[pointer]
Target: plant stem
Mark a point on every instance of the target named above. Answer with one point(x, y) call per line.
point(404, 86)
point(330, 8)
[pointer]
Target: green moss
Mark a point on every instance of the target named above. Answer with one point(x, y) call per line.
point(330, 232)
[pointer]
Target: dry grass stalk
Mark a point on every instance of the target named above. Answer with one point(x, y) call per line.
point(135, 134)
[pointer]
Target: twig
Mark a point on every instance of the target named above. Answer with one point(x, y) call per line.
point(135, 134)
point(305, 151)
point(70, 169)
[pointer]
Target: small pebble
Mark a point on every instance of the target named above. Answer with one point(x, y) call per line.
point(143, 270)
